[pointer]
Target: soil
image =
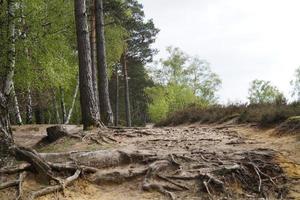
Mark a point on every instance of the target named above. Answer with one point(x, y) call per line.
point(215, 146)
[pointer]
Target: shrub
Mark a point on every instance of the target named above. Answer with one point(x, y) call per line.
point(262, 114)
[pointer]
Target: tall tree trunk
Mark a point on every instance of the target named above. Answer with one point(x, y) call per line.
point(29, 116)
point(16, 106)
point(117, 96)
point(73, 102)
point(126, 87)
point(63, 105)
point(93, 49)
point(89, 109)
point(54, 102)
point(6, 139)
point(105, 106)
point(39, 111)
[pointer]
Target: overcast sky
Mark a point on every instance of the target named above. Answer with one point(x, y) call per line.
point(241, 39)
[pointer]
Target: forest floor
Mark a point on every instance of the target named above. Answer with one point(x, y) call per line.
point(211, 161)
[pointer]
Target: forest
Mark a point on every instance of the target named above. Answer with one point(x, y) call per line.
point(87, 111)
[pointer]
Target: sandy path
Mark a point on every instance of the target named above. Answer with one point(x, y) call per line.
point(209, 140)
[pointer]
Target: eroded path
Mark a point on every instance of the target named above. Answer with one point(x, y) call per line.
point(205, 162)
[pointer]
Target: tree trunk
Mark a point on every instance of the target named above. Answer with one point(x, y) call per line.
point(117, 97)
point(16, 106)
point(126, 87)
point(62, 105)
point(6, 139)
point(73, 102)
point(93, 49)
point(57, 116)
point(29, 116)
point(105, 106)
point(39, 114)
point(89, 109)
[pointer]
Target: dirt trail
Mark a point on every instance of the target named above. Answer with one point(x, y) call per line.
point(208, 147)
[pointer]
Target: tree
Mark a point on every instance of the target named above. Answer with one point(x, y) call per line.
point(202, 80)
point(92, 27)
point(105, 106)
point(261, 92)
point(181, 80)
point(126, 90)
point(89, 109)
point(6, 139)
point(296, 85)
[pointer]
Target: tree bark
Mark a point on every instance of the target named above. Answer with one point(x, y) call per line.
point(29, 116)
point(126, 87)
point(16, 106)
point(93, 49)
point(63, 105)
point(57, 116)
point(105, 106)
point(73, 102)
point(6, 139)
point(89, 109)
point(117, 96)
point(39, 113)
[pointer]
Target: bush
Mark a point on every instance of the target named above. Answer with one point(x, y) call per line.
point(261, 114)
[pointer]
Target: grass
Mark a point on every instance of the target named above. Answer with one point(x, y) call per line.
point(262, 114)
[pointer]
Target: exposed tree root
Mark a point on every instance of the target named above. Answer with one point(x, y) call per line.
point(56, 188)
point(168, 172)
point(9, 184)
point(255, 171)
point(20, 185)
point(15, 169)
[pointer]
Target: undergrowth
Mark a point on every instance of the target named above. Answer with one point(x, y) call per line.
point(261, 114)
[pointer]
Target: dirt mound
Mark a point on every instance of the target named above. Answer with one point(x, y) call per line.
point(290, 126)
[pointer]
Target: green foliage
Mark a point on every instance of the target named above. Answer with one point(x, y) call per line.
point(202, 80)
point(262, 92)
point(114, 38)
point(181, 81)
point(168, 99)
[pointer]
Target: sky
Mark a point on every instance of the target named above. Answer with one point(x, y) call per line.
point(242, 40)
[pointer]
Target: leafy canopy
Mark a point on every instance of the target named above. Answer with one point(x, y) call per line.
point(262, 92)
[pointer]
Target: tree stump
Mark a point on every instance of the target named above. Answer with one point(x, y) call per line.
point(56, 132)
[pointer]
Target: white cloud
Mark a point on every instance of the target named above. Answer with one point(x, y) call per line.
point(242, 39)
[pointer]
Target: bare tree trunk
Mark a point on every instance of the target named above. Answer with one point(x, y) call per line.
point(63, 105)
point(39, 111)
point(93, 49)
point(6, 139)
point(16, 106)
point(73, 102)
point(117, 97)
point(89, 109)
point(57, 117)
point(126, 87)
point(106, 111)
point(29, 116)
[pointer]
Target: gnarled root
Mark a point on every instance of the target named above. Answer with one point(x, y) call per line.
point(55, 188)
